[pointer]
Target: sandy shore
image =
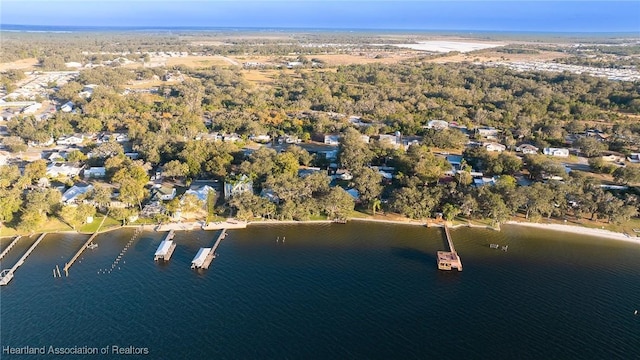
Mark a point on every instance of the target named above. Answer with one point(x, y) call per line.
point(601, 233)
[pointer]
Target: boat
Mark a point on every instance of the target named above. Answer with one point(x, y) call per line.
point(505, 248)
point(92, 246)
point(494, 246)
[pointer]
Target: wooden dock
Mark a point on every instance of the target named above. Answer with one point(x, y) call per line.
point(210, 253)
point(13, 243)
point(448, 260)
point(7, 275)
point(75, 257)
point(166, 247)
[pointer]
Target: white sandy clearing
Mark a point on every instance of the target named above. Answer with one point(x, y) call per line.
point(580, 230)
point(447, 46)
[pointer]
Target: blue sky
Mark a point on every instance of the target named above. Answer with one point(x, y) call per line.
point(515, 15)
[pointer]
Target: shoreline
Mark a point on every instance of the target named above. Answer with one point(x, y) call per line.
point(236, 224)
point(582, 230)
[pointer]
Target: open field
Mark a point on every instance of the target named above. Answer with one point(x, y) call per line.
point(199, 61)
point(26, 64)
point(490, 56)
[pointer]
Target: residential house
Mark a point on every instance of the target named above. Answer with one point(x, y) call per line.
point(260, 138)
point(237, 185)
point(494, 147)
point(231, 137)
point(487, 132)
point(527, 149)
point(95, 172)
point(612, 158)
point(49, 142)
point(437, 124)
point(67, 107)
point(31, 109)
point(477, 182)
point(71, 195)
point(559, 152)
point(58, 169)
point(332, 139)
point(200, 191)
point(306, 171)
point(57, 156)
point(165, 193)
point(70, 140)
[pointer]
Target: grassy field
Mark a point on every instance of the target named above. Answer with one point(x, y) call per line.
point(198, 61)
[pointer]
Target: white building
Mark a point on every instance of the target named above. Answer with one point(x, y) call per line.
point(332, 139)
point(527, 149)
point(95, 172)
point(71, 195)
point(31, 109)
point(494, 147)
point(67, 107)
point(57, 169)
point(559, 152)
point(70, 140)
point(201, 192)
point(634, 158)
point(437, 124)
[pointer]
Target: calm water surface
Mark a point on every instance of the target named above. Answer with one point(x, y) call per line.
point(355, 291)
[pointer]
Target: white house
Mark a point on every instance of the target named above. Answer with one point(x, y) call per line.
point(260, 138)
point(67, 107)
point(200, 192)
point(31, 109)
point(231, 137)
point(527, 149)
point(559, 152)
point(332, 139)
point(95, 172)
point(71, 195)
point(494, 147)
point(57, 169)
point(437, 124)
point(70, 140)
point(487, 132)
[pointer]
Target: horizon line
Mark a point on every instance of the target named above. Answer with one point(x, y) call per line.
point(350, 29)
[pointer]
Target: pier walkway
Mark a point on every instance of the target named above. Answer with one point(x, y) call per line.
point(13, 243)
point(448, 260)
point(7, 274)
point(205, 256)
point(75, 257)
point(166, 248)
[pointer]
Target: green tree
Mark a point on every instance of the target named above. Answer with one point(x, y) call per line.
point(14, 144)
point(628, 174)
point(337, 204)
point(367, 182)
point(589, 146)
point(175, 169)
point(10, 203)
point(450, 211)
point(9, 174)
point(132, 181)
point(353, 152)
point(76, 156)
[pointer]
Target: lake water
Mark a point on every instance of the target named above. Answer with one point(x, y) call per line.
point(331, 291)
